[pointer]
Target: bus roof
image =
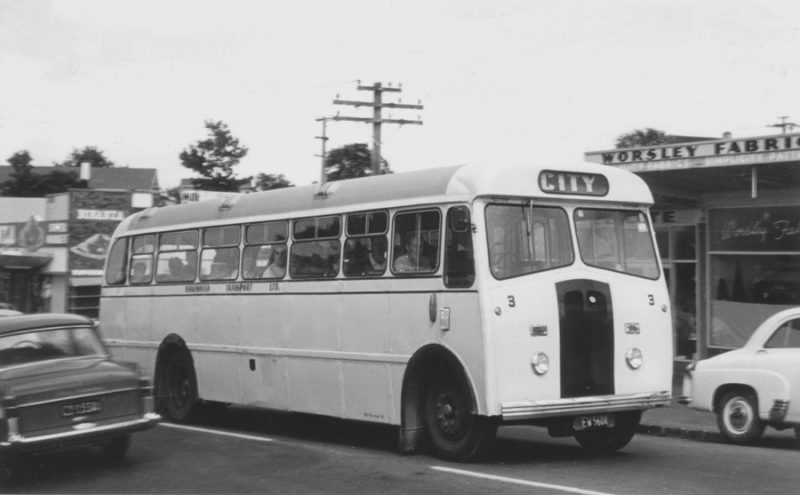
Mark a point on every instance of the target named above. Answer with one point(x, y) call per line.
point(456, 183)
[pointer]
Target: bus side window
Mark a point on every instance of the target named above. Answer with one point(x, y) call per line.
point(459, 261)
point(366, 248)
point(117, 256)
point(316, 249)
point(142, 249)
point(416, 242)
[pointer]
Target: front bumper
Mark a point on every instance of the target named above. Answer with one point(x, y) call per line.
point(583, 405)
point(87, 434)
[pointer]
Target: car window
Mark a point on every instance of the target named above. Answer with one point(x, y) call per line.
point(786, 336)
point(27, 347)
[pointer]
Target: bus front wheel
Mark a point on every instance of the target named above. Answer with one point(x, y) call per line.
point(180, 387)
point(455, 432)
point(609, 440)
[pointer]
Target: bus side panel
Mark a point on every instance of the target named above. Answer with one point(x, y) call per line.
point(466, 339)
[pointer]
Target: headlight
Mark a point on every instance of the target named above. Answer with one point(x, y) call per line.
point(540, 363)
point(634, 358)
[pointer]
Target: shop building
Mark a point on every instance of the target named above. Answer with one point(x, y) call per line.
point(727, 220)
point(52, 249)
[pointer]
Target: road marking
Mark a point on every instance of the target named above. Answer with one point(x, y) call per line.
point(517, 481)
point(216, 432)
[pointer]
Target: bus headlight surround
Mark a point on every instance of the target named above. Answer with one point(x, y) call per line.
point(540, 363)
point(634, 358)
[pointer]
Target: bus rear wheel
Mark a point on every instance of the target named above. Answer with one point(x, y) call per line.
point(455, 432)
point(179, 396)
point(609, 440)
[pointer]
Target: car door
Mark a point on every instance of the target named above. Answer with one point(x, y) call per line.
point(781, 354)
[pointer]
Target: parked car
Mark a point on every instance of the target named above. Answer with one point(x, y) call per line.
point(60, 388)
point(752, 387)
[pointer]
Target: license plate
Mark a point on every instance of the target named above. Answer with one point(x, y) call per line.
point(81, 408)
point(592, 421)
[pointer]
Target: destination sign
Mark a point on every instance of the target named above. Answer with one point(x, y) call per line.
point(576, 183)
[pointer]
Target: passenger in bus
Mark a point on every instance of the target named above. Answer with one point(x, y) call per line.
point(139, 272)
point(178, 270)
point(276, 268)
point(377, 254)
point(412, 261)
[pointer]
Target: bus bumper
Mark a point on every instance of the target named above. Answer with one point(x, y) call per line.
point(516, 411)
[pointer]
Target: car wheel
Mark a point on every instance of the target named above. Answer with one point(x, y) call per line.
point(179, 394)
point(609, 440)
point(117, 448)
point(737, 417)
point(455, 432)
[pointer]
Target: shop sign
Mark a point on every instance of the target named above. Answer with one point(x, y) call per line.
point(766, 149)
point(755, 229)
point(93, 217)
point(33, 234)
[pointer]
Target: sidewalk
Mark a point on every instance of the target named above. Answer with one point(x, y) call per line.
point(682, 422)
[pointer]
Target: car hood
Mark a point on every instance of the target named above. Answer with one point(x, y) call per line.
point(59, 378)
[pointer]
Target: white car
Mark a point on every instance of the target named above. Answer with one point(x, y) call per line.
point(752, 387)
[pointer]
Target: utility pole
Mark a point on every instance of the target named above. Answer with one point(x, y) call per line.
point(377, 119)
point(324, 138)
point(784, 125)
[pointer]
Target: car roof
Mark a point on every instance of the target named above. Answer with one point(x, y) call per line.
point(768, 326)
point(10, 324)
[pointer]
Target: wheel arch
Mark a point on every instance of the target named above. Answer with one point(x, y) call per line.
point(419, 367)
point(720, 392)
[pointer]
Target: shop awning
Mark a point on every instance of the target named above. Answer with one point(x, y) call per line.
point(25, 260)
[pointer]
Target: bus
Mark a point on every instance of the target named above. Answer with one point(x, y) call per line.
point(445, 302)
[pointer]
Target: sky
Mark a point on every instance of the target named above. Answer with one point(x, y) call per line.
point(501, 81)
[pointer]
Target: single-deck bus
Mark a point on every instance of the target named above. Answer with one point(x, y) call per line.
point(446, 302)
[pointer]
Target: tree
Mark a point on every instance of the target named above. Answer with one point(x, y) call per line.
point(642, 137)
point(265, 182)
point(88, 154)
point(351, 161)
point(24, 182)
point(214, 158)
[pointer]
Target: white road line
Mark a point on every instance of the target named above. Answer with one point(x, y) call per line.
point(216, 432)
point(517, 481)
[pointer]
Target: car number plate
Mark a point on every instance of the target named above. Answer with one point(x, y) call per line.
point(592, 421)
point(81, 408)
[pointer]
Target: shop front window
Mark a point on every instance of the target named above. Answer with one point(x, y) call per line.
point(678, 250)
point(754, 267)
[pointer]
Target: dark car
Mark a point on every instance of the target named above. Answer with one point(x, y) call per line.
point(59, 388)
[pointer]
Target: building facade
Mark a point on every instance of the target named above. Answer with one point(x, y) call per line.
point(727, 219)
point(52, 249)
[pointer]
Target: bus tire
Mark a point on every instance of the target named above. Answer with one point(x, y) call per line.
point(180, 387)
point(454, 431)
point(609, 440)
point(737, 417)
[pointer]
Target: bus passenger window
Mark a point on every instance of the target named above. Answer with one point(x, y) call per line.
point(264, 255)
point(459, 263)
point(115, 268)
point(220, 256)
point(416, 242)
point(314, 256)
point(142, 269)
point(366, 248)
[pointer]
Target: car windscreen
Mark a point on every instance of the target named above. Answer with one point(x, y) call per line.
point(618, 240)
point(40, 345)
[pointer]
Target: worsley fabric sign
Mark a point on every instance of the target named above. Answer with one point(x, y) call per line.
point(755, 229)
point(766, 149)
